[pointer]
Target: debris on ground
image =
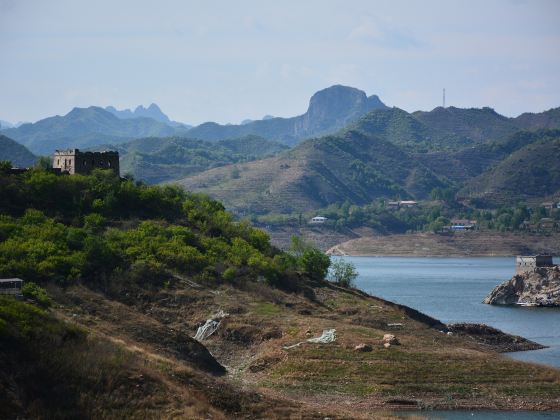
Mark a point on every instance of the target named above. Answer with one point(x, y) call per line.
point(328, 336)
point(210, 326)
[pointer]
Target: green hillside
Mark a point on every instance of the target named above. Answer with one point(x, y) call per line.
point(529, 173)
point(351, 166)
point(156, 159)
point(533, 121)
point(471, 125)
point(472, 161)
point(16, 153)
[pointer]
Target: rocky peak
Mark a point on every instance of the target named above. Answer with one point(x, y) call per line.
point(336, 106)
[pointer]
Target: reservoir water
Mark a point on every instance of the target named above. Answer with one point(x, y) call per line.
point(452, 289)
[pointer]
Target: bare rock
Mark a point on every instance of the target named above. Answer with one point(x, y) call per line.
point(391, 339)
point(363, 348)
point(540, 287)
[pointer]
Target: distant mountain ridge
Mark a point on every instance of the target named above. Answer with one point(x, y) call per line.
point(329, 110)
point(152, 111)
point(85, 127)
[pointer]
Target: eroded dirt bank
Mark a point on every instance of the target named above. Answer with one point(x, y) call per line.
point(464, 244)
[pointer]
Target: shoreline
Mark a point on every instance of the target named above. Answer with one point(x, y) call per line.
point(462, 245)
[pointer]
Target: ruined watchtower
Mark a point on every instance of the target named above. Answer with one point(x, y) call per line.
point(75, 162)
point(529, 263)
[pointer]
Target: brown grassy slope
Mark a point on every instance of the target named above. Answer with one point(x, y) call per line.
point(460, 245)
point(428, 369)
point(350, 166)
point(81, 363)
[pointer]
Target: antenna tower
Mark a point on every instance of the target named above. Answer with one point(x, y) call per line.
point(444, 97)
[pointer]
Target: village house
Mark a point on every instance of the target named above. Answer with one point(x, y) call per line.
point(73, 161)
point(318, 220)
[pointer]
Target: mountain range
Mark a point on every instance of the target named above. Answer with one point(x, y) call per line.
point(371, 161)
point(85, 127)
point(329, 110)
point(152, 111)
point(346, 147)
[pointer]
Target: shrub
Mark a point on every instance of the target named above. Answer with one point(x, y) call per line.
point(315, 263)
point(38, 294)
point(342, 273)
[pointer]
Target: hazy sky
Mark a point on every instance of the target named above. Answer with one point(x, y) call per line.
point(229, 60)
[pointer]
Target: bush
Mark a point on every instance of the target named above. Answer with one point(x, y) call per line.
point(315, 263)
point(342, 273)
point(38, 294)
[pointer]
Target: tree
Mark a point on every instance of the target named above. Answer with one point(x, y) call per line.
point(315, 263)
point(343, 273)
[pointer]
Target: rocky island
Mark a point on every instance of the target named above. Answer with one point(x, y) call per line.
point(537, 283)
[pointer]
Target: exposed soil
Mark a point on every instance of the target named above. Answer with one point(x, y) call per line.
point(459, 244)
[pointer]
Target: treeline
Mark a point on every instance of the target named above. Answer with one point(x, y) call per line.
point(427, 216)
point(106, 230)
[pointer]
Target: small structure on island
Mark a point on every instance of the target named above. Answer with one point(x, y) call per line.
point(528, 263)
point(11, 286)
point(73, 161)
point(318, 220)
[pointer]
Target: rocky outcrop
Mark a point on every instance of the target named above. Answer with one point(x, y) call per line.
point(493, 338)
point(540, 287)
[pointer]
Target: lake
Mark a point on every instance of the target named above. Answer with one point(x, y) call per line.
point(452, 289)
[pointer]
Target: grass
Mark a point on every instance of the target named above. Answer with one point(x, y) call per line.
point(266, 309)
point(397, 371)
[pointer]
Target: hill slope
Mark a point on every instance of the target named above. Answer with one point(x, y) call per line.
point(473, 125)
point(134, 271)
point(329, 110)
point(548, 119)
point(462, 165)
point(318, 172)
point(532, 172)
point(16, 153)
point(155, 159)
point(82, 128)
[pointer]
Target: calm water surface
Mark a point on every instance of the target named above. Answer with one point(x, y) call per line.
point(452, 289)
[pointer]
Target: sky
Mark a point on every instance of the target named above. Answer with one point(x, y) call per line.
point(226, 61)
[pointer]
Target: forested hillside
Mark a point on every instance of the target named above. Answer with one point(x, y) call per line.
point(351, 166)
point(155, 159)
point(14, 152)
